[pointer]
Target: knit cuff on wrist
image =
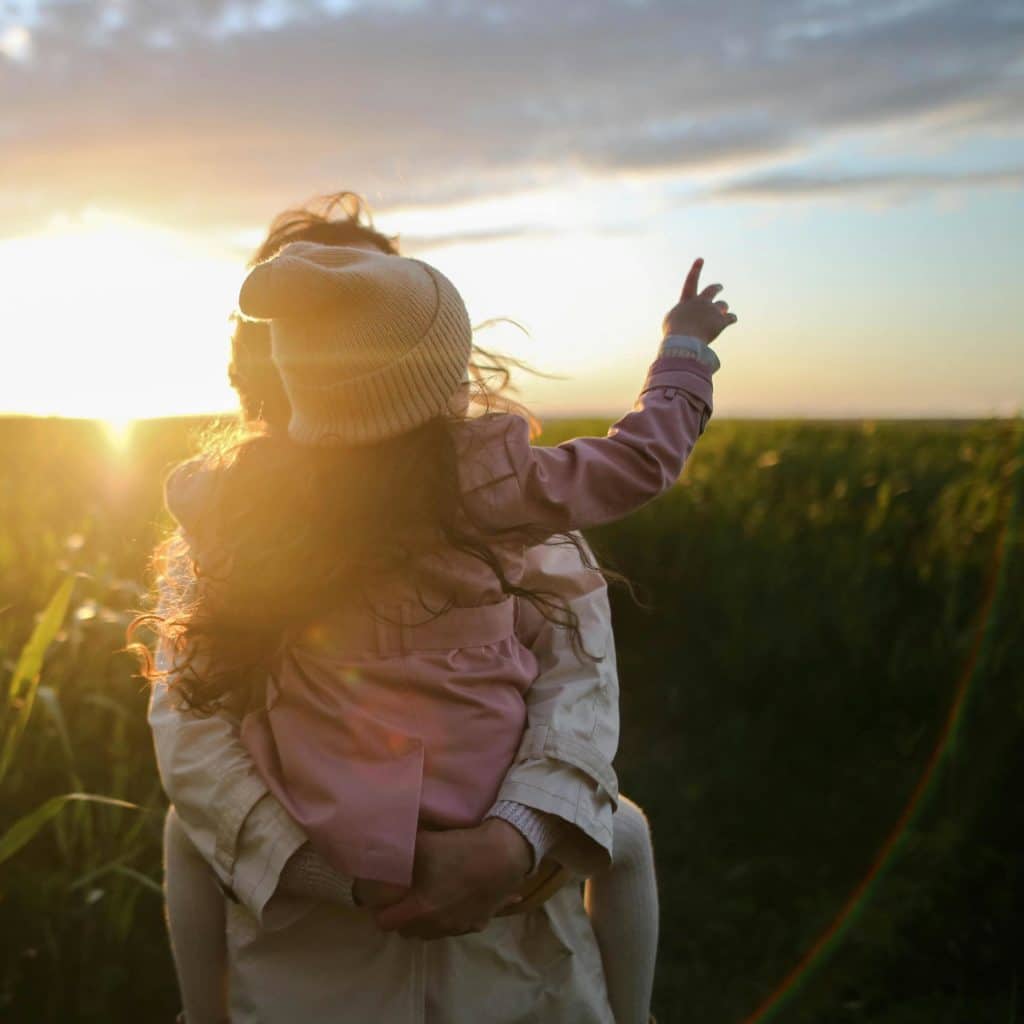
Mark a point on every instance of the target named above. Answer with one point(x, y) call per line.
point(542, 831)
point(687, 346)
point(308, 874)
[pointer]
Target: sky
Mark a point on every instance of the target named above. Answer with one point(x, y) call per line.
point(851, 170)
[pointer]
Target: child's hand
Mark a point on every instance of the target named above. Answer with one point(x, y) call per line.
point(697, 315)
point(377, 895)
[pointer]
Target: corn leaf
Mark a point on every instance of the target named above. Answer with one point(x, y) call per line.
point(26, 827)
point(144, 880)
point(25, 680)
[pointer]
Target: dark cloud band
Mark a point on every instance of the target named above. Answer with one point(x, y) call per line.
point(190, 111)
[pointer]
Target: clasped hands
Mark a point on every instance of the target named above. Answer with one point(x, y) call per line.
point(461, 879)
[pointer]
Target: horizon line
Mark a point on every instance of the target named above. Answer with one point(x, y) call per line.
point(611, 416)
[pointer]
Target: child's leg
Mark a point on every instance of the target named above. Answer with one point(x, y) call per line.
point(196, 922)
point(622, 903)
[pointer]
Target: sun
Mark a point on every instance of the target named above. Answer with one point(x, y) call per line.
point(117, 320)
point(118, 432)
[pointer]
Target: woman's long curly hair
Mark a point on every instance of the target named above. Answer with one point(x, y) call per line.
point(298, 527)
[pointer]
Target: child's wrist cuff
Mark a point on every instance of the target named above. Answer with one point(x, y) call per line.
point(542, 831)
point(689, 347)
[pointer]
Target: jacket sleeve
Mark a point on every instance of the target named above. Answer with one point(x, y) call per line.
point(242, 832)
point(594, 480)
point(564, 763)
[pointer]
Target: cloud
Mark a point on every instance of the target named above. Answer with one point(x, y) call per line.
point(794, 184)
point(209, 112)
point(724, 142)
point(413, 243)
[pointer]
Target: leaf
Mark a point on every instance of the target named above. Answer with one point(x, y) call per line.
point(31, 660)
point(96, 873)
point(144, 880)
point(26, 827)
point(47, 696)
point(25, 680)
point(118, 867)
point(100, 700)
point(153, 804)
point(50, 701)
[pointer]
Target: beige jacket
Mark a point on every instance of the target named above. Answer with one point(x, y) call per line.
point(295, 960)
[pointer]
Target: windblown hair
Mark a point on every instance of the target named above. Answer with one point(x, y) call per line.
point(293, 531)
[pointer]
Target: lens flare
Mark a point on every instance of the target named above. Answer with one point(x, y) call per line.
point(829, 938)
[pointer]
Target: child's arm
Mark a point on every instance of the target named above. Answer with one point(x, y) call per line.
point(592, 480)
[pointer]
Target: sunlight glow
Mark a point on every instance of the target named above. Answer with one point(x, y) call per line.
point(119, 432)
point(16, 43)
point(117, 320)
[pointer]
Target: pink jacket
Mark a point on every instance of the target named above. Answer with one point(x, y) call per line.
point(376, 725)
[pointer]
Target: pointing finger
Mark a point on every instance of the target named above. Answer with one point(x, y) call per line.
point(692, 280)
point(711, 291)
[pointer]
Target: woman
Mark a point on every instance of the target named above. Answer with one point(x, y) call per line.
point(556, 799)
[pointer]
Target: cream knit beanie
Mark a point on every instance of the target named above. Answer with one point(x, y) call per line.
point(369, 345)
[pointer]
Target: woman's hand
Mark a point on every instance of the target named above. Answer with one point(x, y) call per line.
point(698, 315)
point(461, 878)
point(377, 895)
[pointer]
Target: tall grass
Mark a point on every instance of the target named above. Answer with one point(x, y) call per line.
point(76, 886)
point(816, 592)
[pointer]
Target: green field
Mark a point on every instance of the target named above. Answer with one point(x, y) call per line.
point(828, 610)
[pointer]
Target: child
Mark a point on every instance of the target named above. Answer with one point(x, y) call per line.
point(367, 565)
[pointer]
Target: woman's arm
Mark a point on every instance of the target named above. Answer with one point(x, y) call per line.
point(241, 830)
point(563, 768)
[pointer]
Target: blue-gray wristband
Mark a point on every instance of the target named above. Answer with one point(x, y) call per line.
point(688, 347)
